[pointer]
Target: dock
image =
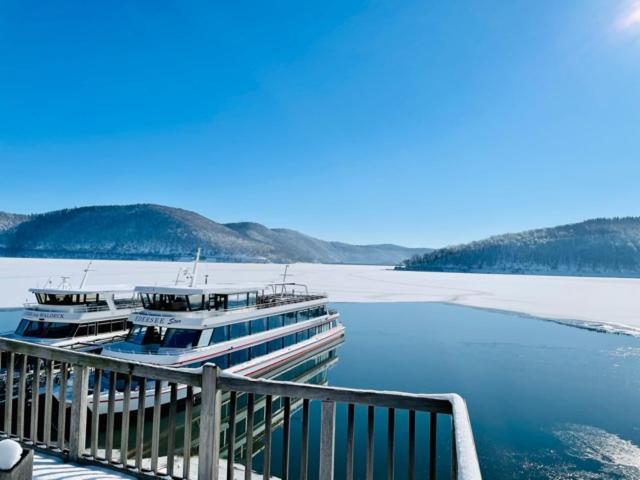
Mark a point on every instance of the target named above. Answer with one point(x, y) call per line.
point(231, 409)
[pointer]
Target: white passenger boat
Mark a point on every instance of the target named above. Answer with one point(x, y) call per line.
point(80, 318)
point(245, 330)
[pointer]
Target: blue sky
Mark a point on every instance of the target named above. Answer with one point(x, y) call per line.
point(417, 122)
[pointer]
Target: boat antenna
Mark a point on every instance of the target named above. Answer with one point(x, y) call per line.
point(64, 283)
point(194, 271)
point(284, 277)
point(86, 273)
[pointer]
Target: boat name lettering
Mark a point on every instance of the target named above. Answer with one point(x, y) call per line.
point(157, 320)
point(43, 315)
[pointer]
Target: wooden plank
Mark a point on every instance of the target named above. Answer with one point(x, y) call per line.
point(370, 443)
point(35, 401)
point(111, 405)
point(231, 434)
point(188, 419)
point(95, 412)
point(78, 429)
point(209, 451)
point(411, 460)
point(304, 441)
point(433, 441)
point(155, 426)
point(8, 394)
point(62, 405)
point(266, 462)
point(286, 427)
point(142, 403)
point(391, 426)
point(171, 431)
point(350, 441)
point(406, 401)
point(177, 375)
point(248, 465)
point(327, 440)
point(124, 427)
point(22, 397)
point(48, 402)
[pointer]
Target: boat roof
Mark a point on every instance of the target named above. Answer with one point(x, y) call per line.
point(220, 288)
point(85, 290)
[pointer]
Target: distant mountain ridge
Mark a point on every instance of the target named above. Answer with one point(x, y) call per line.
point(147, 231)
point(598, 247)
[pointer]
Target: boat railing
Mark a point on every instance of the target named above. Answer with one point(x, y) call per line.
point(358, 420)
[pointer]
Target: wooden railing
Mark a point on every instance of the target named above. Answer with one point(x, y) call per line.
point(34, 379)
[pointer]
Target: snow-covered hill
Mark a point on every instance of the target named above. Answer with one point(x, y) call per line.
point(157, 232)
point(600, 247)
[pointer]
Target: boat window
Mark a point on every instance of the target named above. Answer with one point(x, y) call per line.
point(143, 335)
point(39, 329)
point(239, 330)
point(302, 336)
point(104, 327)
point(84, 330)
point(252, 298)
point(220, 334)
point(275, 322)
point(69, 299)
point(196, 302)
point(222, 361)
point(238, 300)
point(303, 315)
point(181, 338)
point(289, 318)
point(22, 326)
point(289, 340)
point(239, 356)
point(258, 350)
point(259, 325)
point(274, 345)
point(171, 303)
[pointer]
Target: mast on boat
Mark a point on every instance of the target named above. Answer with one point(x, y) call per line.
point(86, 273)
point(194, 271)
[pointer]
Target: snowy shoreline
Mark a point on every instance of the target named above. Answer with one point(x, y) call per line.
point(599, 303)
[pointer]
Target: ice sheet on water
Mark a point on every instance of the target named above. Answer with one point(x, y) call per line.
point(616, 457)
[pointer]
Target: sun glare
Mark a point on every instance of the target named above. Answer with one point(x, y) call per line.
point(631, 17)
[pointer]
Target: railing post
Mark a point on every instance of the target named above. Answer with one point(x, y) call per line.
point(209, 451)
point(78, 430)
point(327, 440)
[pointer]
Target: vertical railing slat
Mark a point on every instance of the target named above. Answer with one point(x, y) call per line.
point(231, 434)
point(142, 399)
point(95, 412)
point(350, 441)
point(62, 405)
point(35, 400)
point(454, 452)
point(171, 431)
point(124, 427)
point(411, 460)
point(370, 443)
point(77, 439)
point(155, 426)
point(327, 440)
point(22, 398)
point(8, 394)
point(48, 402)
point(304, 441)
point(209, 451)
point(266, 462)
point(186, 443)
point(433, 432)
point(391, 425)
point(248, 465)
point(286, 438)
point(111, 405)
